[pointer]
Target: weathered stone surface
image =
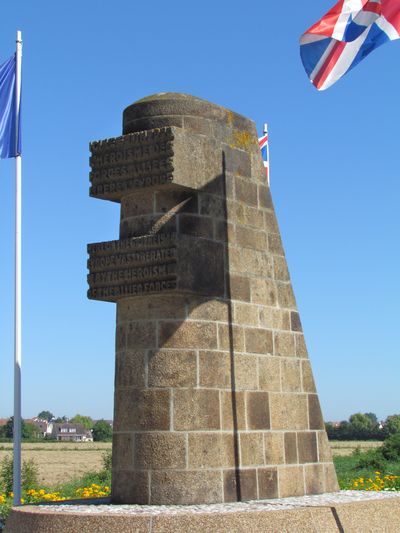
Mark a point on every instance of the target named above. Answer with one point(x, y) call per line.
point(196, 409)
point(201, 486)
point(214, 395)
point(267, 483)
point(211, 450)
point(240, 485)
point(169, 368)
point(257, 410)
point(291, 456)
point(159, 450)
point(274, 448)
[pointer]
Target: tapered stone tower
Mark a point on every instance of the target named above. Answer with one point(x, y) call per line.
point(214, 395)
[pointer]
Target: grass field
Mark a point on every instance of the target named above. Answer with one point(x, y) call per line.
point(59, 462)
point(347, 447)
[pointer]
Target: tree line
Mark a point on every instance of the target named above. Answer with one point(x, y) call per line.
point(363, 426)
point(101, 429)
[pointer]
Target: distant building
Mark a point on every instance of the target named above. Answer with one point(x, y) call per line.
point(44, 427)
point(67, 431)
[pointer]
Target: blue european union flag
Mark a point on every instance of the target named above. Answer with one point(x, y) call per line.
point(10, 146)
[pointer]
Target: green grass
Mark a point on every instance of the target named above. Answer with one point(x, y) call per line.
point(351, 467)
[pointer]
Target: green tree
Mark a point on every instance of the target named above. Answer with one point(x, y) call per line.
point(86, 421)
point(28, 431)
point(102, 431)
point(61, 419)
point(392, 424)
point(361, 422)
point(46, 415)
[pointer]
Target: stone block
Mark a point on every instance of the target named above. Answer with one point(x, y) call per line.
point(307, 444)
point(160, 450)
point(120, 338)
point(240, 485)
point(263, 291)
point(197, 226)
point(267, 483)
point(170, 368)
point(246, 314)
point(206, 309)
point(291, 456)
point(253, 217)
point(308, 384)
point(239, 288)
point(324, 448)
point(189, 334)
point(251, 238)
point(237, 162)
point(291, 481)
point(141, 335)
point(281, 272)
point(270, 223)
point(211, 450)
point(196, 409)
point(315, 479)
point(130, 369)
point(130, 487)
point(214, 369)
point(142, 409)
point(212, 206)
point(288, 411)
point(274, 448)
point(301, 348)
point(272, 318)
point(257, 410)
point(275, 244)
point(284, 344)
point(230, 338)
point(139, 204)
point(246, 192)
point(251, 449)
point(245, 372)
point(314, 412)
point(122, 458)
point(258, 341)
point(286, 297)
point(269, 372)
point(198, 125)
point(295, 321)
point(331, 484)
point(151, 307)
point(186, 487)
point(264, 197)
point(291, 375)
point(224, 231)
point(233, 410)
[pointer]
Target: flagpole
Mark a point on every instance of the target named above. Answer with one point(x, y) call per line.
point(17, 319)
point(269, 166)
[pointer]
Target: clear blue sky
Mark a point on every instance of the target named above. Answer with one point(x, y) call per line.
point(334, 171)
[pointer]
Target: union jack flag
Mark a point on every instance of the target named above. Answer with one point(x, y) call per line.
point(263, 144)
point(350, 31)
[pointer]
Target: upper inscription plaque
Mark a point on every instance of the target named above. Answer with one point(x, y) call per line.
point(152, 158)
point(131, 161)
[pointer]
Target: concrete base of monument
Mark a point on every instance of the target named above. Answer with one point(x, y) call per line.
point(345, 511)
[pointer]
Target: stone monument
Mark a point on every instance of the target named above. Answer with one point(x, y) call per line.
point(214, 394)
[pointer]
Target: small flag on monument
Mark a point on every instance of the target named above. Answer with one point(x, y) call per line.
point(10, 145)
point(350, 31)
point(264, 147)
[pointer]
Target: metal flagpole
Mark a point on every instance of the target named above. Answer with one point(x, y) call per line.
point(266, 133)
point(17, 323)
